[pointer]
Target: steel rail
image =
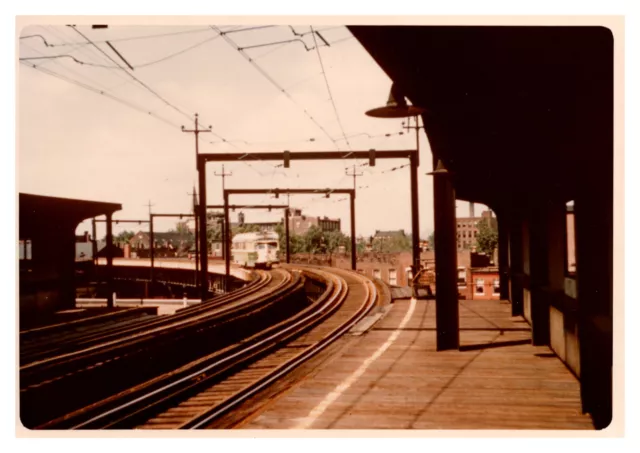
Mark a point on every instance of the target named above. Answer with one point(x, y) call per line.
point(194, 329)
point(198, 373)
point(139, 335)
point(74, 343)
point(203, 420)
point(202, 374)
point(65, 419)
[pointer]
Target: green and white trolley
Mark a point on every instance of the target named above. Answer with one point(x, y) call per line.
point(257, 250)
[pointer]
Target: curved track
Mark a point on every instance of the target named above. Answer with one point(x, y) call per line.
point(198, 393)
point(81, 371)
point(41, 344)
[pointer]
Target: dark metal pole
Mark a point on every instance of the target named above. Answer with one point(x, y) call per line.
point(286, 234)
point(224, 226)
point(516, 263)
point(109, 253)
point(415, 217)
point(225, 242)
point(202, 217)
point(503, 254)
point(444, 208)
point(94, 244)
point(352, 200)
point(197, 257)
point(223, 234)
point(151, 250)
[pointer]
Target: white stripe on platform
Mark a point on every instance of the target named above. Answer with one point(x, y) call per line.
point(317, 411)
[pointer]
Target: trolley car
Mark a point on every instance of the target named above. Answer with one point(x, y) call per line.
point(257, 250)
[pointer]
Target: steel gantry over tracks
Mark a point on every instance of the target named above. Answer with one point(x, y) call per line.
point(286, 157)
point(277, 192)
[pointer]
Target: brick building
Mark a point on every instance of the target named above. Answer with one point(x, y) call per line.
point(467, 228)
point(299, 223)
point(84, 247)
point(481, 283)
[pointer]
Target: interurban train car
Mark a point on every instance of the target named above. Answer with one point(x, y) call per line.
point(255, 249)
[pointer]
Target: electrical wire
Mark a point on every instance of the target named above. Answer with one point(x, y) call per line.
point(324, 74)
point(48, 57)
point(97, 91)
point(147, 87)
point(143, 65)
point(57, 63)
point(180, 52)
point(159, 35)
point(38, 36)
point(89, 52)
point(395, 168)
point(274, 83)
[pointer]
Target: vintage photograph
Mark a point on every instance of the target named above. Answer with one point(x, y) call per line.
point(315, 224)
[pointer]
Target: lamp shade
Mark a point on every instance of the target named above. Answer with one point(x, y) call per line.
point(396, 107)
point(440, 169)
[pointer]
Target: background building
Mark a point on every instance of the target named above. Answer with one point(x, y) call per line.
point(299, 223)
point(467, 228)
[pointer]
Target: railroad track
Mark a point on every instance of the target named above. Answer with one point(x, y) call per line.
point(99, 367)
point(195, 395)
point(48, 343)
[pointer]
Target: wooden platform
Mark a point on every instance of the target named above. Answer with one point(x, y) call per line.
point(392, 378)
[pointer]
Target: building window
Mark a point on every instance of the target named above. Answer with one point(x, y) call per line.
point(462, 276)
point(376, 273)
point(25, 249)
point(479, 286)
point(393, 279)
point(570, 240)
point(496, 286)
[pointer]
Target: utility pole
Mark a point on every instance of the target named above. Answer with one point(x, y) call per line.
point(352, 210)
point(223, 175)
point(354, 174)
point(415, 220)
point(94, 243)
point(151, 245)
point(196, 131)
point(203, 199)
point(194, 195)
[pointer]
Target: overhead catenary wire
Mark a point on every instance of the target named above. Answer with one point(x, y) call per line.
point(135, 66)
point(138, 66)
point(147, 87)
point(76, 73)
point(98, 91)
point(274, 83)
point(151, 36)
point(324, 73)
point(89, 52)
point(133, 38)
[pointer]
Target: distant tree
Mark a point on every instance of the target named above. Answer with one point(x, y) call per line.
point(335, 239)
point(123, 237)
point(214, 228)
point(183, 228)
point(361, 244)
point(487, 238)
point(313, 240)
point(394, 244)
point(246, 228)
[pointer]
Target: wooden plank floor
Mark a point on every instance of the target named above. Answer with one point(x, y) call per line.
point(497, 381)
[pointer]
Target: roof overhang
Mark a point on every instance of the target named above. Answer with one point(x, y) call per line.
point(512, 111)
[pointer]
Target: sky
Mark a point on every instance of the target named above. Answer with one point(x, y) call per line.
point(87, 129)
